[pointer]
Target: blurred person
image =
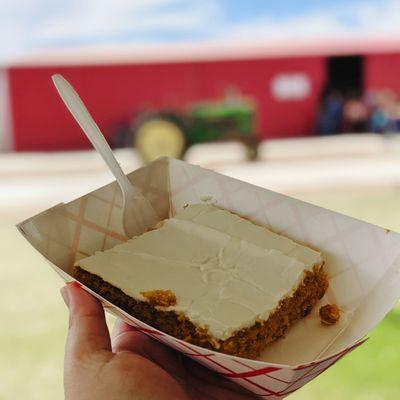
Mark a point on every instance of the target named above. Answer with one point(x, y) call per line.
point(330, 114)
point(386, 100)
point(395, 121)
point(393, 109)
point(129, 365)
point(379, 121)
point(355, 115)
point(378, 117)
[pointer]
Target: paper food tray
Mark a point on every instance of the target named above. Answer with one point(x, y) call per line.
point(362, 261)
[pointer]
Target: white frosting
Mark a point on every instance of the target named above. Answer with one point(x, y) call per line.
point(225, 271)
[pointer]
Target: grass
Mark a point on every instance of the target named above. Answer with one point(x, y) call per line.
point(369, 373)
point(35, 319)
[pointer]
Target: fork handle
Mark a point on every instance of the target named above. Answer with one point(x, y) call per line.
point(81, 114)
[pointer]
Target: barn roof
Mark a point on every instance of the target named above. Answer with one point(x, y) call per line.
point(204, 51)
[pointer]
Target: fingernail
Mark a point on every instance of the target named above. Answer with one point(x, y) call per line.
point(65, 296)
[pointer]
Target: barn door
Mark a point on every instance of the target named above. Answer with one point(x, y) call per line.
point(346, 75)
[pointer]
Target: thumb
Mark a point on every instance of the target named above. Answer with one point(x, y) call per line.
point(88, 332)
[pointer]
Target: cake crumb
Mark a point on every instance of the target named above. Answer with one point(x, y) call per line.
point(163, 298)
point(329, 314)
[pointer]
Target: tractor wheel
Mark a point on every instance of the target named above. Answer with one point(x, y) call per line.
point(251, 144)
point(157, 137)
point(252, 153)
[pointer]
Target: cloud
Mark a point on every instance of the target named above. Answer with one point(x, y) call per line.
point(267, 28)
point(102, 18)
point(351, 19)
point(380, 17)
point(29, 25)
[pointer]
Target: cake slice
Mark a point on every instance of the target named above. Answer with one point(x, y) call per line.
point(211, 278)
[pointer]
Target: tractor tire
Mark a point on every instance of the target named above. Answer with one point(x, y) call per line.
point(159, 136)
point(251, 144)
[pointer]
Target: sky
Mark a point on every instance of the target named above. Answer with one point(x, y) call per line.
point(28, 26)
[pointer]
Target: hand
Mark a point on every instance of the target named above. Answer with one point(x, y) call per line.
point(130, 365)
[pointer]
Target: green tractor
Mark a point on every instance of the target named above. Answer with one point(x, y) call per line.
point(162, 133)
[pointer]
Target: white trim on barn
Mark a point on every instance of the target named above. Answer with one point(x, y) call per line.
point(6, 134)
point(142, 53)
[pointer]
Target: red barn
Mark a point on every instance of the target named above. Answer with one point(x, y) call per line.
point(285, 79)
